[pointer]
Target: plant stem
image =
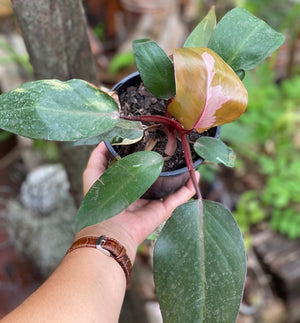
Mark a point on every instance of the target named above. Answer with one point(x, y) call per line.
point(160, 119)
point(173, 124)
point(189, 163)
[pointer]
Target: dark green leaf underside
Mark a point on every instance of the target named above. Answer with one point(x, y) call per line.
point(124, 133)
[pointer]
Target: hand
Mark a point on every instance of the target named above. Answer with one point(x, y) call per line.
point(141, 218)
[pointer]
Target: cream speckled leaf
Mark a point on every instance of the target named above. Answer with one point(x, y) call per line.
point(55, 110)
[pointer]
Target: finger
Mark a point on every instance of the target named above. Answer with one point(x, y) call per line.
point(165, 207)
point(96, 166)
point(138, 204)
point(152, 213)
point(99, 158)
point(181, 194)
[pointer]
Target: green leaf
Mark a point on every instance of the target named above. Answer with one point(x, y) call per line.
point(120, 61)
point(55, 110)
point(200, 36)
point(155, 67)
point(122, 183)
point(244, 40)
point(200, 265)
point(241, 74)
point(214, 150)
point(125, 132)
point(4, 135)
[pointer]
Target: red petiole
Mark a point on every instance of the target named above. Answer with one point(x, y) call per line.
point(189, 163)
point(174, 125)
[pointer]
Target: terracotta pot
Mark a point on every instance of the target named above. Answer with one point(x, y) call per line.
point(167, 182)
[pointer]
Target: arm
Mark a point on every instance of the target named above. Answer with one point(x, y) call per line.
point(88, 286)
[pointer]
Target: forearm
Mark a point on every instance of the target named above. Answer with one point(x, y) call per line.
point(88, 286)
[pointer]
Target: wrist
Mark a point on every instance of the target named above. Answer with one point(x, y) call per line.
point(109, 247)
point(111, 231)
point(97, 280)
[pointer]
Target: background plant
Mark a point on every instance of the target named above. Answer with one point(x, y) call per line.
point(270, 126)
point(12, 56)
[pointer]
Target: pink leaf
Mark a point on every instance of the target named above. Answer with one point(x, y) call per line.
point(214, 96)
point(208, 92)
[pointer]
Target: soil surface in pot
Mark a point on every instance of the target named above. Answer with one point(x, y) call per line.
point(136, 101)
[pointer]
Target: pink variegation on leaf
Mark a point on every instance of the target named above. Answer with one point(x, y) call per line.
point(208, 92)
point(215, 97)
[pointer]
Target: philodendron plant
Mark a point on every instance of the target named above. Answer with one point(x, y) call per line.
point(199, 257)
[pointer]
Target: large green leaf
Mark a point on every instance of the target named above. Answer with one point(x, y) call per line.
point(122, 183)
point(55, 110)
point(200, 36)
point(243, 40)
point(125, 132)
point(155, 67)
point(214, 150)
point(200, 265)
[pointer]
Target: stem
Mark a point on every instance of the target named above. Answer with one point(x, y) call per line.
point(160, 119)
point(173, 124)
point(189, 163)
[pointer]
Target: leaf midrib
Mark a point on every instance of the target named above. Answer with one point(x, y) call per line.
point(202, 241)
point(79, 112)
point(239, 49)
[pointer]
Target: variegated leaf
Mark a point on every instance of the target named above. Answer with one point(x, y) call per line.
point(208, 92)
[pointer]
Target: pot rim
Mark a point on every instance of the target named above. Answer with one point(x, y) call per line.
point(175, 172)
point(125, 79)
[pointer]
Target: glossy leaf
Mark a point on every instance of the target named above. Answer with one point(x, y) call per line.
point(124, 133)
point(214, 150)
point(122, 183)
point(243, 40)
point(200, 36)
point(208, 92)
point(200, 265)
point(155, 67)
point(56, 110)
point(241, 74)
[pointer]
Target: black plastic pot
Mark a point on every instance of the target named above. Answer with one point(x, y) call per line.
point(167, 182)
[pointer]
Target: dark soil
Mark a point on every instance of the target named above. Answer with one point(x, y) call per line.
point(136, 101)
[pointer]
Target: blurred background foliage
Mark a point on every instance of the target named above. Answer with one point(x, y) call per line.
point(267, 141)
point(267, 136)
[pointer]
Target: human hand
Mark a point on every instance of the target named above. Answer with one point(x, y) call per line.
point(141, 218)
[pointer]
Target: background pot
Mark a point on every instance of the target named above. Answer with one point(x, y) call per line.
point(167, 182)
